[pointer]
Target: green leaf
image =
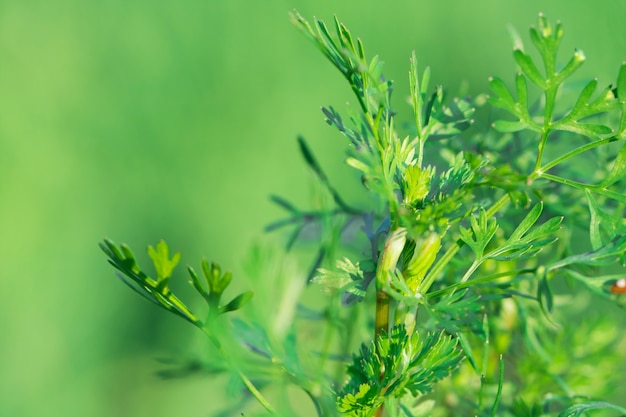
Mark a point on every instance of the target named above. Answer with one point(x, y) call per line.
point(359, 165)
point(317, 169)
point(585, 108)
point(467, 350)
point(504, 98)
point(577, 410)
point(528, 222)
point(213, 275)
point(418, 93)
point(162, 262)
point(396, 364)
point(598, 284)
point(544, 294)
point(582, 100)
point(608, 253)
point(110, 249)
point(482, 231)
point(346, 275)
point(547, 39)
point(237, 302)
point(525, 240)
point(529, 68)
point(417, 183)
point(506, 126)
point(197, 284)
point(592, 130)
point(550, 227)
point(123, 260)
point(358, 403)
point(572, 66)
point(253, 336)
point(522, 96)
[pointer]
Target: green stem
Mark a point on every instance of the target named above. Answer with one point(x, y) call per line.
point(331, 316)
point(420, 155)
point(386, 265)
point(542, 144)
point(382, 312)
point(565, 181)
point(572, 154)
point(473, 267)
point(481, 280)
point(499, 392)
point(382, 323)
point(244, 379)
point(582, 186)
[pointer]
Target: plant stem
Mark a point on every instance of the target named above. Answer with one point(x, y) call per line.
point(571, 154)
point(244, 379)
point(481, 280)
point(382, 312)
point(386, 265)
point(499, 392)
point(542, 144)
point(331, 318)
point(582, 186)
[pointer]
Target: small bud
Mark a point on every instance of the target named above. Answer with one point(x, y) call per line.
point(391, 254)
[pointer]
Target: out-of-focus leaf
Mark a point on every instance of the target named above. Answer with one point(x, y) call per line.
point(606, 254)
point(618, 170)
point(580, 409)
point(613, 226)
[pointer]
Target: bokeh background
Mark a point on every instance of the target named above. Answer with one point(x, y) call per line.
point(140, 120)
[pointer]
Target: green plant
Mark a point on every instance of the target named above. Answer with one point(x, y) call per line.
point(473, 250)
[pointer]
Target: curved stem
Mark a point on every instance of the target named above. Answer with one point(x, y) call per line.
point(256, 393)
point(244, 379)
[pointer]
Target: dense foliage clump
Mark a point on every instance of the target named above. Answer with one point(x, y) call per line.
point(471, 263)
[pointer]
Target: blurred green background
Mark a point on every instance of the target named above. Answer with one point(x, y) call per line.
point(141, 120)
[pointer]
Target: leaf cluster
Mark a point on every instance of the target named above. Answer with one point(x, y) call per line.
point(210, 287)
point(396, 364)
